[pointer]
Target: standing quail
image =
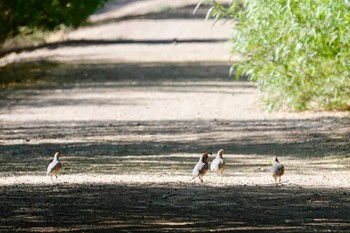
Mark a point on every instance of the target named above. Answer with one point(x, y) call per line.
point(55, 166)
point(201, 167)
point(218, 163)
point(277, 169)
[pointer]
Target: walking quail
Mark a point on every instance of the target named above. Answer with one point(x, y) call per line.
point(277, 169)
point(55, 166)
point(218, 163)
point(201, 167)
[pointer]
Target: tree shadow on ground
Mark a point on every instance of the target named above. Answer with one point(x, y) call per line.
point(48, 75)
point(91, 42)
point(172, 208)
point(112, 144)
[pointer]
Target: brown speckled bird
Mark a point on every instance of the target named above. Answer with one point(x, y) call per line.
point(218, 164)
point(55, 166)
point(201, 167)
point(277, 169)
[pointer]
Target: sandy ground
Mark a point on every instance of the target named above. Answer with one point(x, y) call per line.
point(131, 121)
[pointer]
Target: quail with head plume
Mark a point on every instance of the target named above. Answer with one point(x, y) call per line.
point(55, 166)
point(201, 167)
point(277, 169)
point(218, 164)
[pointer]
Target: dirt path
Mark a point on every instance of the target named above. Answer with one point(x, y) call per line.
point(131, 120)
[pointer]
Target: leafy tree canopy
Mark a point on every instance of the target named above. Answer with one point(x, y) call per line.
point(25, 16)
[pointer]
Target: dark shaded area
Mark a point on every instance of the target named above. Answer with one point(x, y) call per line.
point(46, 74)
point(256, 136)
point(172, 208)
point(76, 43)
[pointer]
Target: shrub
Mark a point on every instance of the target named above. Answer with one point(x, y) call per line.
point(298, 52)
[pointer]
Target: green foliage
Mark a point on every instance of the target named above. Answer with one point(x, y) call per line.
point(296, 51)
point(25, 16)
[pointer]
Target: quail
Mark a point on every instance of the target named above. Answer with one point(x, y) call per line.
point(218, 164)
point(277, 169)
point(201, 167)
point(55, 166)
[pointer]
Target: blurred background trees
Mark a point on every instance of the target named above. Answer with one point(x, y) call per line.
point(296, 51)
point(26, 16)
